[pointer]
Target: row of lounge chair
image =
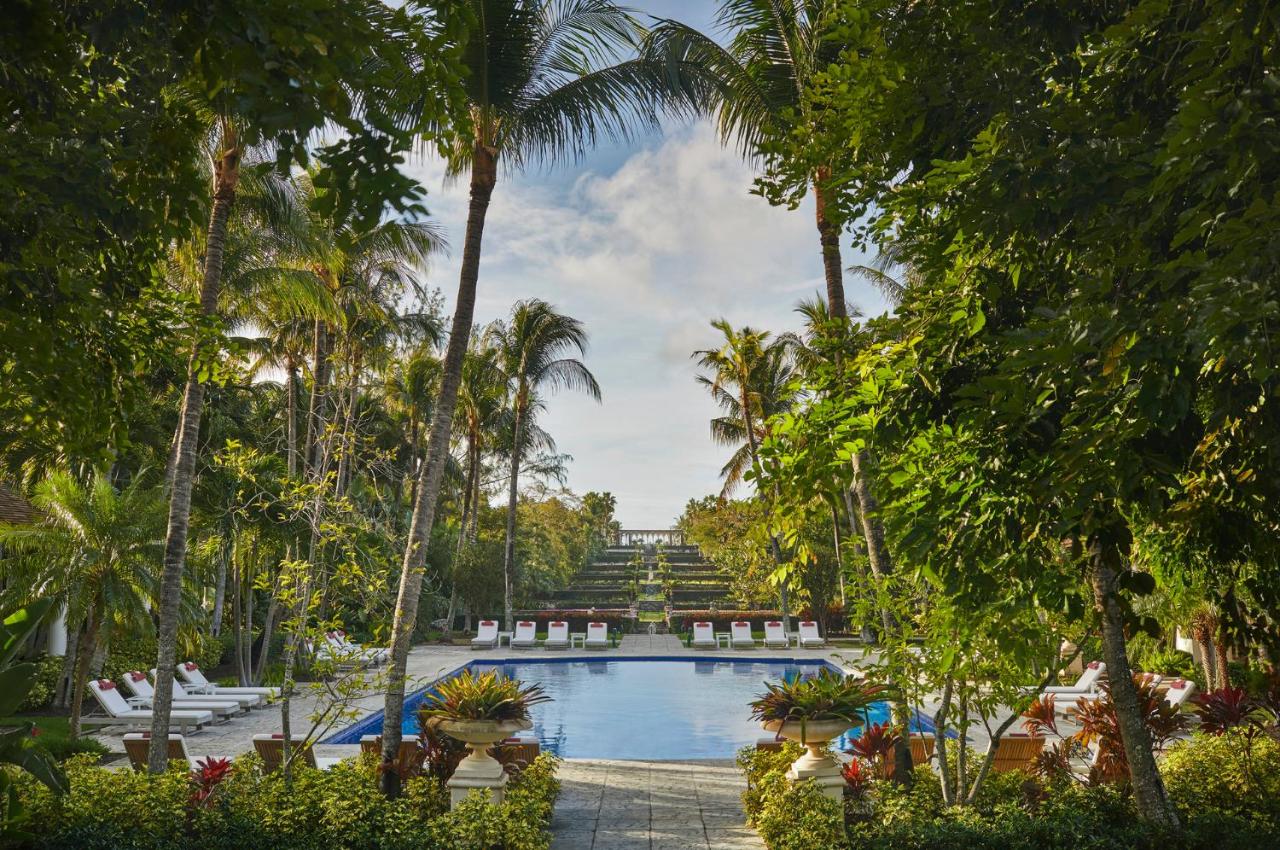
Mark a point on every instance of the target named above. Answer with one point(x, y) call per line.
point(1066, 698)
point(775, 636)
point(197, 702)
point(525, 635)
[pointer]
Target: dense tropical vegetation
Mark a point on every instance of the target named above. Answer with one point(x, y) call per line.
point(240, 417)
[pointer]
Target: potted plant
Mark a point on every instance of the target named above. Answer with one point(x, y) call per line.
point(480, 710)
point(813, 711)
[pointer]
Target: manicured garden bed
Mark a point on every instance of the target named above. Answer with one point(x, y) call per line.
point(1226, 790)
point(336, 809)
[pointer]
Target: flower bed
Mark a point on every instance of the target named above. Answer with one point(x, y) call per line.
point(337, 809)
point(1227, 790)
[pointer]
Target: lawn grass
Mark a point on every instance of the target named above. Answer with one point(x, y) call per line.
point(53, 731)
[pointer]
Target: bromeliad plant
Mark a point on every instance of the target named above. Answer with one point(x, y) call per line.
point(488, 696)
point(826, 696)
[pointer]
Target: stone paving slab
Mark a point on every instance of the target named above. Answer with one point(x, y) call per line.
point(658, 805)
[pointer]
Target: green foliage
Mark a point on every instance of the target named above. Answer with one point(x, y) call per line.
point(108, 107)
point(339, 808)
point(1225, 787)
point(799, 816)
point(827, 696)
point(1235, 775)
point(487, 696)
point(44, 684)
point(18, 748)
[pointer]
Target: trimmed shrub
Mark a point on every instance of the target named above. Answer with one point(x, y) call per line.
point(1232, 775)
point(337, 809)
point(48, 670)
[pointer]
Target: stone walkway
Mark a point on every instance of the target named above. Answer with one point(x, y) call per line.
point(659, 805)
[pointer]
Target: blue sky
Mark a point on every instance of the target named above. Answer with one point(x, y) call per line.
point(646, 243)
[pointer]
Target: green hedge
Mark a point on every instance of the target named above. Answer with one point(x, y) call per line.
point(336, 809)
point(1227, 790)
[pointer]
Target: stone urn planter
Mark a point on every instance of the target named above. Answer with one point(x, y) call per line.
point(814, 764)
point(479, 769)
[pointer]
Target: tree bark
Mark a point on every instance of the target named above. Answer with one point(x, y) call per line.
point(220, 588)
point(291, 415)
point(881, 568)
point(484, 174)
point(1149, 795)
point(829, 237)
point(226, 179)
point(513, 487)
point(85, 648)
point(319, 396)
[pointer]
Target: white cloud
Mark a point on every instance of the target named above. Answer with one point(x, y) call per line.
point(646, 256)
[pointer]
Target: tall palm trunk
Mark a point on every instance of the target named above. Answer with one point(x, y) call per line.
point(484, 175)
point(1149, 795)
point(316, 411)
point(513, 487)
point(468, 506)
point(226, 179)
point(347, 459)
point(291, 414)
point(86, 647)
point(829, 237)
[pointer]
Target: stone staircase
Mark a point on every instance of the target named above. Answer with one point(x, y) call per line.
point(652, 580)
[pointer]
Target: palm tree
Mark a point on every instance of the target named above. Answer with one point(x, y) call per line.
point(536, 349)
point(544, 86)
point(96, 552)
point(750, 380)
point(756, 87)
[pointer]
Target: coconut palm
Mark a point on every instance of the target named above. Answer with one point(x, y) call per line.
point(97, 552)
point(536, 348)
point(750, 380)
point(545, 84)
point(755, 86)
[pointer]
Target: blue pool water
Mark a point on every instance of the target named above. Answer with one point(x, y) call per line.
point(638, 708)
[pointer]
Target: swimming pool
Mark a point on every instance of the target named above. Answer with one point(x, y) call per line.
point(637, 708)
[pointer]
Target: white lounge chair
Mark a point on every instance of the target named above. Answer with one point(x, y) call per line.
point(1065, 704)
point(775, 636)
point(377, 654)
point(1087, 683)
point(144, 694)
point(340, 648)
point(809, 637)
point(597, 636)
point(120, 713)
point(270, 749)
point(1179, 691)
point(137, 744)
point(195, 682)
point(245, 701)
point(557, 635)
point(740, 635)
point(704, 636)
point(525, 636)
point(486, 635)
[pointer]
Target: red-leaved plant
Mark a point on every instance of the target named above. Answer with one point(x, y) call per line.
point(1100, 728)
point(856, 779)
point(1230, 708)
point(875, 744)
point(205, 778)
